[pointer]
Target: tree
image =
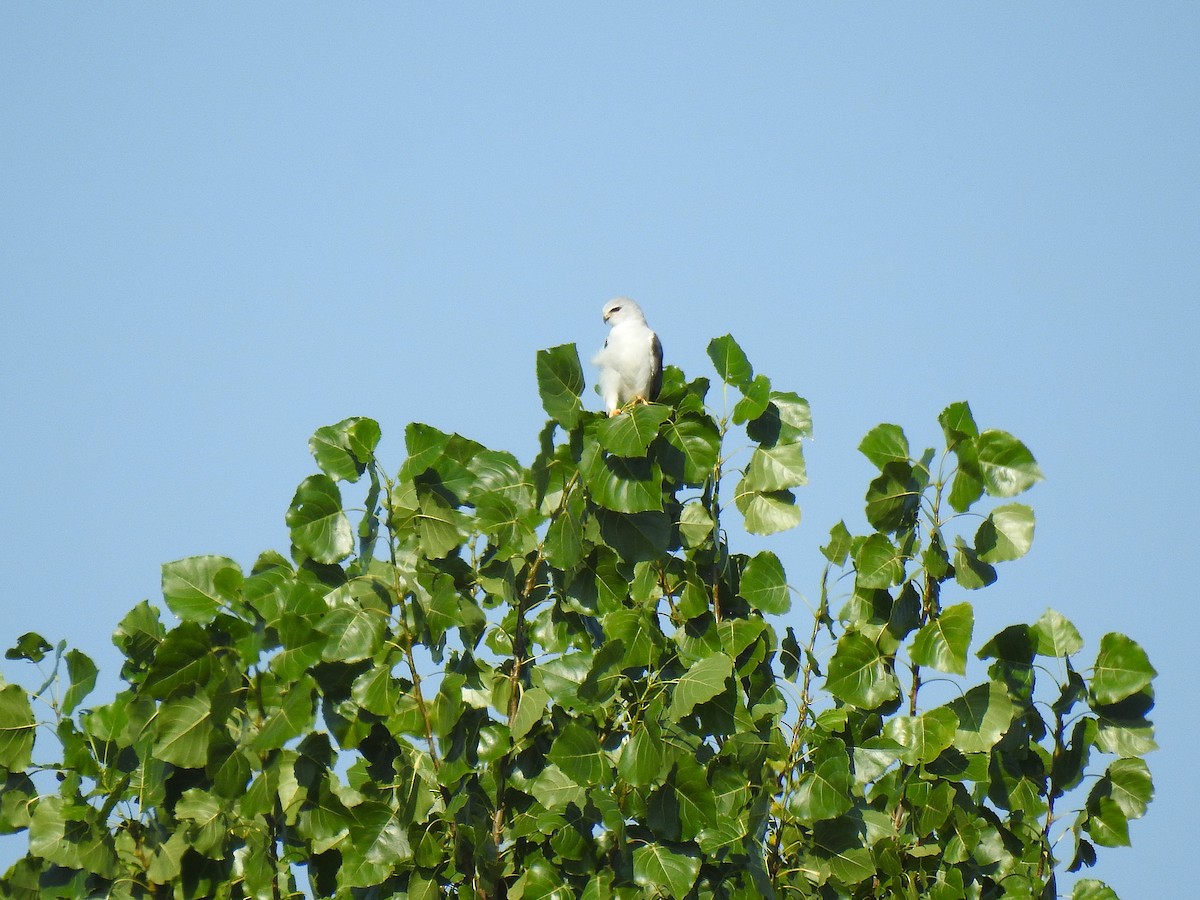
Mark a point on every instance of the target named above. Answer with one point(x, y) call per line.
point(482, 679)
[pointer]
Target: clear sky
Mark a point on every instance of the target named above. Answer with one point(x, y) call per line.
point(224, 225)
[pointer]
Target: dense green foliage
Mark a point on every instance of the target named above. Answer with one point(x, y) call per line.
point(481, 679)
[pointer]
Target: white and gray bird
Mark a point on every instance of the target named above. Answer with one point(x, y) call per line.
point(630, 361)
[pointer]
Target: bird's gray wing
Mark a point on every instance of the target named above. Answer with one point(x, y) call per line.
point(655, 368)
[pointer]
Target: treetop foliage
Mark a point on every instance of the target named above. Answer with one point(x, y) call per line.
point(477, 678)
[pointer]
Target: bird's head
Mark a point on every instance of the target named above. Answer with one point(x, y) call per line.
point(622, 309)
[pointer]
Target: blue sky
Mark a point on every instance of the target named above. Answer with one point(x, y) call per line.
point(223, 226)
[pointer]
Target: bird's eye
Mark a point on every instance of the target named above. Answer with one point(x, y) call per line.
point(615, 309)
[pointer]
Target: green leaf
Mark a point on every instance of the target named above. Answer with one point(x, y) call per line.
point(290, 719)
point(31, 646)
point(529, 712)
point(695, 524)
point(1007, 466)
point(16, 728)
point(630, 435)
point(697, 444)
point(183, 731)
point(984, 715)
point(554, 789)
point(766, 512)
point(316, 521)
point(83, 674)
point(1091, 889)
point(560, 382)
point(824, 792)
point(840, 543)
point(958, 424)
point(756, 395)
point(641, 756)
point(943, 642)
point(578, 753)
point(183, 662)
point(885, 444)
point(858, 674)
point(894, 498)
point(1107, 824)
point(764, 584)
point(776, 468)
point(355, 623)
point(1129, 783)
point(1006, 534)
point(700, 683)
point(198, 587)
point(964, 490)
point(786, 419)
point(1122, 669)
point(1055, 635)
point(969, 570)
point(656, 866)
point(621, 484)
point(697, 803)
point(729, 360)
point(342, 451)
point(923, 737)
point(878, 563)
point(378, 842)
point(637, 537)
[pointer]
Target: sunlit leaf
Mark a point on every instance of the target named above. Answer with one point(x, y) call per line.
point(701, 682)
point(858, 674)
point(631, 433)
point(984, 714)
point(766, 512)
point(16, 728)
point(1006, 534)
point(764, 584)
point(942, 643)
point(885, 444)
point(730, 361)
point(656, 866)
point(1007, 466)
point(560, 382)
point(1122, 668)
point(318, 525)
point(343, 450)
point(183, 731)
point(924, 737)
point(196, 588)
point(1055, 635)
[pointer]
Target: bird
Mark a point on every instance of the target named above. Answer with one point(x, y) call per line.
point(630, 361)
